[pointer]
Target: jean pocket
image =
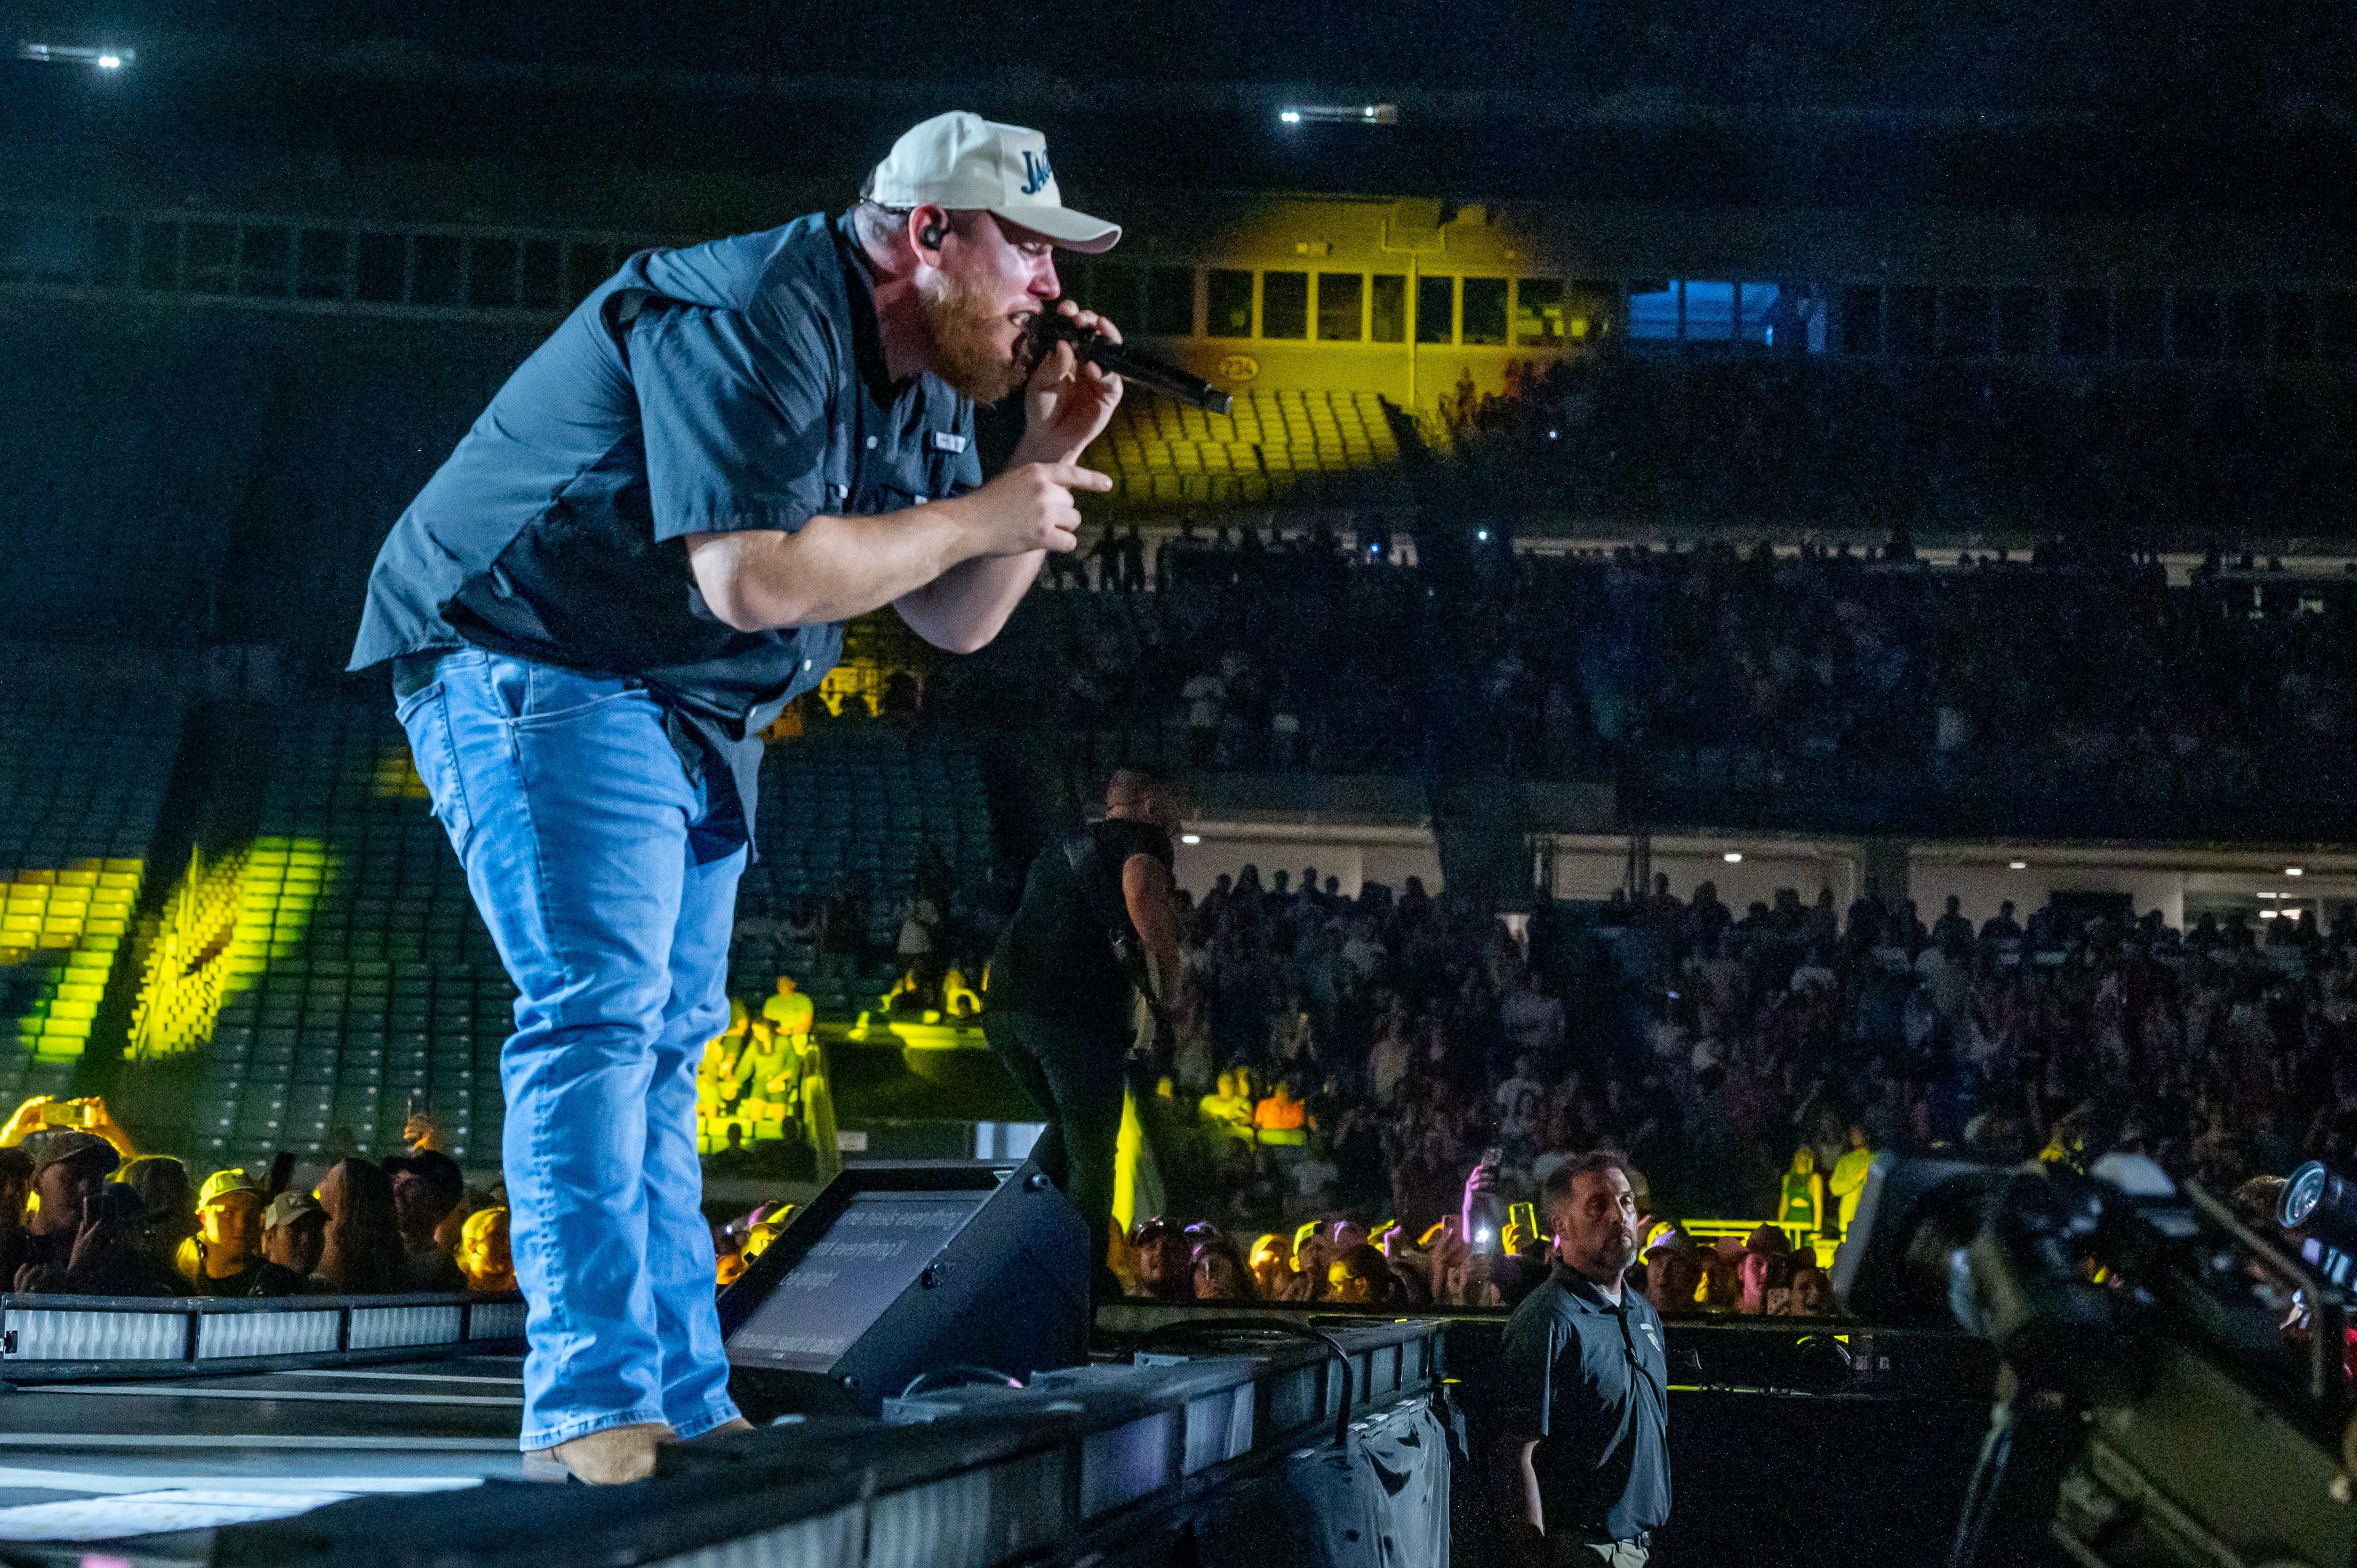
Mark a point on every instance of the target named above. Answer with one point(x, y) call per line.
point(424, 716)
point(548, 695)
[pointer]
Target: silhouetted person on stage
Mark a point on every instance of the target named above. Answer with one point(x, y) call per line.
point(1061, 1002)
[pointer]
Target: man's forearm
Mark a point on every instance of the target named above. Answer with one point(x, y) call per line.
point(834, 569)
point(967, 606)
point(1521, 1517)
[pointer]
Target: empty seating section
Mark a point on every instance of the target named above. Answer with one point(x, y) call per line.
point(83, 767)
point(1276, 446)
point(189, 959)
point(358, 976)
point(126, 456)
point(852, 802)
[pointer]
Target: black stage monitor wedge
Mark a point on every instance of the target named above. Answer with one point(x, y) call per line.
point(897, 1269)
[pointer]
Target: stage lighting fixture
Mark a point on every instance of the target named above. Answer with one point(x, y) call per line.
point(1483, 534)
point(1340, 114)
point(99, 56)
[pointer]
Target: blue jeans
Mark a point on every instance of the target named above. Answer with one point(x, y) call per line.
point(570, 810)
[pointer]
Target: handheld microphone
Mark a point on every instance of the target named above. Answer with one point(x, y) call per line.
point(1049, 328)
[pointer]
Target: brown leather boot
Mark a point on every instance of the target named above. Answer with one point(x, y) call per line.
point(609, 1458)
point(728, 1428)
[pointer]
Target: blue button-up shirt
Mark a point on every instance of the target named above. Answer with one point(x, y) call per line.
point(739, 384)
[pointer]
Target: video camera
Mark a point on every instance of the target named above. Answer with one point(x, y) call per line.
point(2173, 1390)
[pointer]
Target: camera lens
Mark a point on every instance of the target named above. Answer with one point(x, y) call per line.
point(2318, 1200)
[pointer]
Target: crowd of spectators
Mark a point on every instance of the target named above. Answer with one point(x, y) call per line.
point(83, 1213)
point(1825, 674)
point(1286, 653)
point(1340, 1065)
point(2003, 677)
point(1965, 448)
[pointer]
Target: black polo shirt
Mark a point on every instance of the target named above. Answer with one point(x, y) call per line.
point(739, 384)
point(1591, 1380)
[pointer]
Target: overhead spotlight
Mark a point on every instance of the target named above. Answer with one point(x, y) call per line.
point(2293, 871)
point(1733, 857)
point(1483, 534)
point(1340, 114)
point(2016, 865)
point(103, 56)
point(1190, 838)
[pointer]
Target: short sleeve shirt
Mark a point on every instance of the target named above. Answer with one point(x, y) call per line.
point(1591, 1380)
point(1055, 958)
point(734, 385)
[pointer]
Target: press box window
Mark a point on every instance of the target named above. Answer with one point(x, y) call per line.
point(1908, 327)
point(1653, 311)
point(1485, 310)
point(1389, 312)
point(1964, 324)
point(1168, 309)
point(2245, 324)
point(1113, 289)
point(1538, 312)
point(1228, 311)
point(1436, 310)
point(1861, 320)
point(2083, 325)
point(1588, 309)
point(2195, 324)
point(1341, 296)
point(1285, 304)
point(2140, 324)
point(2021, 322)
point(2295, 325)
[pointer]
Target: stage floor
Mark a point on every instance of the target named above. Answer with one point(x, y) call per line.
point(164, 1462)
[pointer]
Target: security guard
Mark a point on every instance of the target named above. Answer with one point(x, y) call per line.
point(1581, 1460)
point(638, 554)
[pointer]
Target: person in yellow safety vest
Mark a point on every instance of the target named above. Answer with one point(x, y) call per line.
point(1848, 1183)
point(959, 1000)
point(1802, 1205)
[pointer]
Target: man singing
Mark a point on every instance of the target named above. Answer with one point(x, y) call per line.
point(1580, 1458)
point(634, 560)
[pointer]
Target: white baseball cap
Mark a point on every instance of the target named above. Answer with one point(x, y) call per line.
point(965, 162)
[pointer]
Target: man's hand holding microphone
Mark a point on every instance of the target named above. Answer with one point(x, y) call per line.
point(1065, 405)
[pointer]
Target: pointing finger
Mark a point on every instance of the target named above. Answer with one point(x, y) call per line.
point(1072, 477)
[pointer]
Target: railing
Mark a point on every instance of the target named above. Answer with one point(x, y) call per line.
point(47, 1338)
point(421, 270)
